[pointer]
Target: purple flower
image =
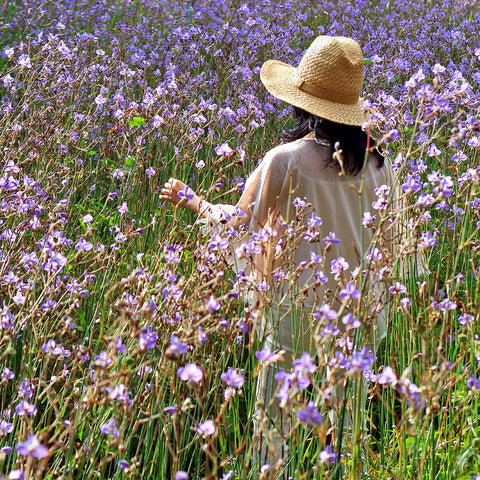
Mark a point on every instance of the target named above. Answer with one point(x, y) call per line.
point(25, 408)
point(83, 246)
point(187, 193)
point(412, 184)
point(176, 347)
point(321, 277)
point(314, 221)
point(217, 242)
point(102, 360)
point(181, 475)
point(123, 464)
point(338, 265)
point(473, 383)
point(123, 208)
point(362, 359)
point(110, 428)
point(465, 318)
point(120, 392)
point(206, 428)
point(387, 377)
point(24, 61)
point(148, 339)
point(25, 389)
point(433, 151)
point(393, 135)
point(350, 292)
point(367, 220)
point(224, 149)
point(310, 415)
point(304, 363)
point(330, 330)
point(350, 321)
point(5, 428)
point(32, 446)
point(325, 311)
point(7, 374)
point(190, 372)
point(150, 171)
point(233, 378)
point(328, 455)
point(331, 239)
point(16, 475)
point(374, 255)
point(298, 202)
point(213, 305)
point(397, 287)
point(405, 302)
point(100, 100)
point(264, 355)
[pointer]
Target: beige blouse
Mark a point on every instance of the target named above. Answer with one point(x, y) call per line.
point(291, 175)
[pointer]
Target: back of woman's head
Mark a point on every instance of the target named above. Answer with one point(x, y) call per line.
point(353, 142)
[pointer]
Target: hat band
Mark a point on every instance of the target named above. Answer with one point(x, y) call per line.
point(323, 93)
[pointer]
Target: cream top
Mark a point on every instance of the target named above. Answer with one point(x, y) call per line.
point(292, 173)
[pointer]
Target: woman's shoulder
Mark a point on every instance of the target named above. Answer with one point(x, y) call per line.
point(292, 152)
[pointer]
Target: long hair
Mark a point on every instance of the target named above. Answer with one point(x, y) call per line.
point(352, 140)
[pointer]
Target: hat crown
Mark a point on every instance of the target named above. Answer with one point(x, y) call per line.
point(333, 64)
point(327, 82)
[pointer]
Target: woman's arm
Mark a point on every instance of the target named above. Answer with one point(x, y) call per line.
point(258, 200)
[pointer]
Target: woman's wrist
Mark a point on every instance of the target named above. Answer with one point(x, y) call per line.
point(203, 208)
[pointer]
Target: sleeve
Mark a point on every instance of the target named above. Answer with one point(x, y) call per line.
point(259, 198)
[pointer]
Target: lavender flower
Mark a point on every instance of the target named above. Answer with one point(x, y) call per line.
point(120, 392)
point(387, 377)
point(190, 372)
point(310, 415)
point(465, 318)
point(7, 374)
point(207, 428)
point(110, 428)
point(224, 149)
point(148, 339)
point(32, 447)
point(473, 383)
point(16, 475)
point(233, 378)
point(5, 428)
point(176, 347)
point(327, 455)
point(186, 193)
point(213, 305)
point(25, 408)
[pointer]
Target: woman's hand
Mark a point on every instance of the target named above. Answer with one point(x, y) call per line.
point(181, 195)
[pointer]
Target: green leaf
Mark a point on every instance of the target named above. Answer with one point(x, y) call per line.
point(367, 62)
point(92, 152)
point(137, 122)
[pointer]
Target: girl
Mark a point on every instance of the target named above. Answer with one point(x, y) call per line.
point(327, 173)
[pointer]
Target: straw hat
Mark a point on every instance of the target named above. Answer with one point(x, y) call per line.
point(326, 83)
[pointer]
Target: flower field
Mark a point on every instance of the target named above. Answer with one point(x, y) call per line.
point(128, 346)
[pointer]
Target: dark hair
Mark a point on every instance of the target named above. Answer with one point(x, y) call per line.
point(352, 140)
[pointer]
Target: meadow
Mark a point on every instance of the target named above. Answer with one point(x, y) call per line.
point(127, 349)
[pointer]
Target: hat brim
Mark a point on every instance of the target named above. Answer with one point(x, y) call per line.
point(277, 78)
